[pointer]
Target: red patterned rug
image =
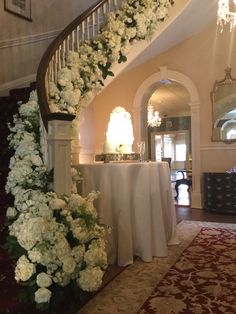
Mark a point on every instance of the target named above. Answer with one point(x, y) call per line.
point(203, 279)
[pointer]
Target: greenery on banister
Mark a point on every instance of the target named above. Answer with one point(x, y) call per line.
point(86, 69)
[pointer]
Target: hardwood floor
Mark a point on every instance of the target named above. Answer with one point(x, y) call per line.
point(184, 212)
point(187, 213)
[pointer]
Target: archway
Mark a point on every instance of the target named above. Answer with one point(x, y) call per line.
point(139, 113)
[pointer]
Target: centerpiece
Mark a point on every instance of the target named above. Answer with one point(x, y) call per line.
point(119, 137)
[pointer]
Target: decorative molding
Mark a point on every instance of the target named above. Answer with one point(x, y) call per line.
point(59, 155)
point(26, 40)
point(21, 82)
point(220, 146)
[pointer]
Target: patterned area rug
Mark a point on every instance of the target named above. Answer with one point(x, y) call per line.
point(203, 280)
point(198, 276)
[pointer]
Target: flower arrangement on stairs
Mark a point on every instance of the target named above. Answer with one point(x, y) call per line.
point(86, 69)
point(57, 242)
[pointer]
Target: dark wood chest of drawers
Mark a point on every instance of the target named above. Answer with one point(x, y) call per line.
point(219, 190)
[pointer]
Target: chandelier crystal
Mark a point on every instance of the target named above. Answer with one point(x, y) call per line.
point(153, 118)
point(225, 14)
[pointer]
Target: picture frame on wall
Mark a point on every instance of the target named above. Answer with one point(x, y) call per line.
point(21, 8)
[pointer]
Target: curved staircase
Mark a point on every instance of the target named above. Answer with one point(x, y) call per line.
point(88, 29)
point(84, 28)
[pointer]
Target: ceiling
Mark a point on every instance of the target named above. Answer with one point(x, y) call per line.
point(170, 97)
point(193, 19)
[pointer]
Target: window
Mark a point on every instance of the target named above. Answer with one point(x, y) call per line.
point(231, 134)
point(180, 152)
point(167, 146)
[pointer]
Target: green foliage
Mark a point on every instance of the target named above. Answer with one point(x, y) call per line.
point(122, 58)
point(72, 241)
point(13, 247)
point(42, 306)
point(105, 70)
point(27, 291)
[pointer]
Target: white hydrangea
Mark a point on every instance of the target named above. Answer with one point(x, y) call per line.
point(95, 257)
point(30, 231)
point(42, 295)
point(64, 77)
point(78, 253)
point(68, 264)
point(61, 248)
point(79, 230)
point(90, 279)
point(35, 255)
point(24, 269)
point(75, 201)
point(43, 280)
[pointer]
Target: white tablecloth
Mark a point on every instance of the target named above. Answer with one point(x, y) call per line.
point(136, 201)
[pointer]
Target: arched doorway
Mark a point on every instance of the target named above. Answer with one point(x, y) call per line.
point(139, 113)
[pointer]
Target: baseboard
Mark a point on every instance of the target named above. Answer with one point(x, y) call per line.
point(196, 200)
point(18, 83)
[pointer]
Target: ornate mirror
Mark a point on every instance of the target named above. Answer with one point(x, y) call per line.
point(223, 99)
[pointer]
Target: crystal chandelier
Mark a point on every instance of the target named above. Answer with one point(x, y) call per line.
point(225, 14)
point(153, 118)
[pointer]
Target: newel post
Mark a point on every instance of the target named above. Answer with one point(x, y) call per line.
point(59, 154)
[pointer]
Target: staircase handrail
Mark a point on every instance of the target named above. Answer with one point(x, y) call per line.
point(53, 54)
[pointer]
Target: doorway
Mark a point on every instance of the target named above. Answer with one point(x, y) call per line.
point(174, 147)
point(139, 120)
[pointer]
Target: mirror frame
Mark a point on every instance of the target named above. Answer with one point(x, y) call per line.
point(227, 80)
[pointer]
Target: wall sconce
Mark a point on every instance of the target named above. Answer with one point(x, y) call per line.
point(153, 118)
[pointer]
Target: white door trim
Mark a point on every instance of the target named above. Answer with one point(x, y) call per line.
point(139, 120)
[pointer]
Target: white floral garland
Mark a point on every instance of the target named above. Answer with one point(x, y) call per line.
point(86, 69)
point(57, 240)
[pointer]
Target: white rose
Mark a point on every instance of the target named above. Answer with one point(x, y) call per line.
point(11, 212)
point(43, 280)
point(42, 295)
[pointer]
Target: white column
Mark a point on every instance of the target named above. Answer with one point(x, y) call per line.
point(59, 155)
point(196, 199)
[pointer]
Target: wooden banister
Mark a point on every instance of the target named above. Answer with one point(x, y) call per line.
point(54, 57)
